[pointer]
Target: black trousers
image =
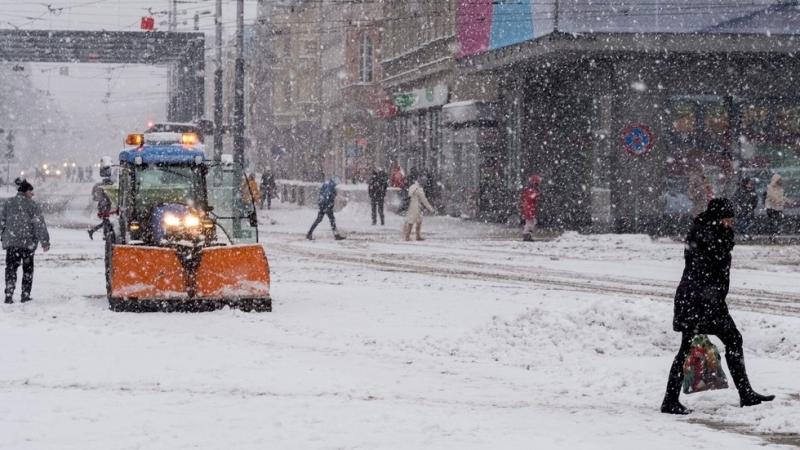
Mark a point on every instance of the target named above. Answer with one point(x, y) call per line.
point(320, 216)
point(727, 332)
point(15, 257)
point(774, 221)
point(377, 204)
point(266, 198)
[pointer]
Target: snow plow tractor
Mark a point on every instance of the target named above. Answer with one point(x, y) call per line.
point(185, 235)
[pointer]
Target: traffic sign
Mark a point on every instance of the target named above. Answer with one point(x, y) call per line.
point(637, 140)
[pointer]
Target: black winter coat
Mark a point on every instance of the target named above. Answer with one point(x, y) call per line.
point(378, 183)
point(700, 298)
point(746, 201)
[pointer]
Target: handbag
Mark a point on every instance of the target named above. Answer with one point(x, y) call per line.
point(702, 370)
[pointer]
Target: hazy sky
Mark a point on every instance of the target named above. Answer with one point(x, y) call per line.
point(104, 102)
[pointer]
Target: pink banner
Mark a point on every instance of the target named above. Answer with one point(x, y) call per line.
point(474, 26)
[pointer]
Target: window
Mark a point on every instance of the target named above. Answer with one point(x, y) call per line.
point(310, 49)
point(287, 47)
point(287, 94)
point(365, 59)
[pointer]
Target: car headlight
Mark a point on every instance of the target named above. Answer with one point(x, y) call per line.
point(191, 221)
point(171, 220)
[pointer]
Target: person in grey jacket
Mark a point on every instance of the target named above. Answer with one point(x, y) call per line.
point(22, 228)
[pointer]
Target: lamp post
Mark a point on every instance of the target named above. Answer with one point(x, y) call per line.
point(218, 84)
point(238, 88)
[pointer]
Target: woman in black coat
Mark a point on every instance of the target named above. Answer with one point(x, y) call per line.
point(700, 306)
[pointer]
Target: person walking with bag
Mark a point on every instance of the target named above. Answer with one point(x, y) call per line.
point(22, 229)
point(417, 200)
point(700, 306)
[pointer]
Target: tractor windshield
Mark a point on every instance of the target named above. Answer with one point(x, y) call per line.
point(157, 185)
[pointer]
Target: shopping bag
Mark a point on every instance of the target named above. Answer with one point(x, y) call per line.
point(702, 370)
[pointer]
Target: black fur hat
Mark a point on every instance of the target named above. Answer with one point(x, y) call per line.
point(720, 208)
point(24, 186)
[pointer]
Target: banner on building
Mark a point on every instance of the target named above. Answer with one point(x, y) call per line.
point(484, 25)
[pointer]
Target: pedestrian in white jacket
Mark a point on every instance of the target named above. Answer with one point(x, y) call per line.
point(414, 213)
point(775, 202)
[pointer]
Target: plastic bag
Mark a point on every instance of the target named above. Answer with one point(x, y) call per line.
point(702, 370)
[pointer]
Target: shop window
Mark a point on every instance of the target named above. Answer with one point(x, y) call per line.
point(684, 117)
point(788, 120)
point(700, 159)
point(717, 119)
point(755, 120)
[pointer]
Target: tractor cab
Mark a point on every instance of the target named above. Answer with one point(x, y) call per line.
point(169, 193)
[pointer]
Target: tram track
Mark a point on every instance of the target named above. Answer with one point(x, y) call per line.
point(755, 300)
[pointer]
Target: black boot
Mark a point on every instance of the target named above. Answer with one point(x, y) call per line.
point(670, 406)
point(527, 237)
point(25, 299)
point(91, 234)
point(308, 236)
point(747, 396)
point(8, 299)
point(753, 398)
point(338, 237)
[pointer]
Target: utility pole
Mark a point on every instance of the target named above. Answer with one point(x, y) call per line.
point(174, 15)
point(218, 84)
point(238, 88)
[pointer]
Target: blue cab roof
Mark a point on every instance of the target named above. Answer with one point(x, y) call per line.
point(162, 154)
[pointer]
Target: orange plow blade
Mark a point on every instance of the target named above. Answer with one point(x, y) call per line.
point(233, 272)
point(146, 273)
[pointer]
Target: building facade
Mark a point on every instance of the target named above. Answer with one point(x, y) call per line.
point(437, 124)
point(324, 80)
point(287, 98)
point(634, 117)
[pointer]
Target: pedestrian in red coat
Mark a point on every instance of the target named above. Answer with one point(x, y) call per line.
point(530, 197)
point(398, 178)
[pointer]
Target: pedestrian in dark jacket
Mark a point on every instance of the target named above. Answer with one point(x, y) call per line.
point(268, 188)
point(745, 202)
point(378, 183)
point(22, 229)
point(105, 207)
point(327, 198)
point(700, 306)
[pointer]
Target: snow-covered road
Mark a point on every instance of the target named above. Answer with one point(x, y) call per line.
point(470, 339)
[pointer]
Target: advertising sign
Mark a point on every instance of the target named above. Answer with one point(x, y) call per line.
point(421, 98)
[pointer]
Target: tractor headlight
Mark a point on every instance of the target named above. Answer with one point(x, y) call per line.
point(171, 220)
point(191, 221)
